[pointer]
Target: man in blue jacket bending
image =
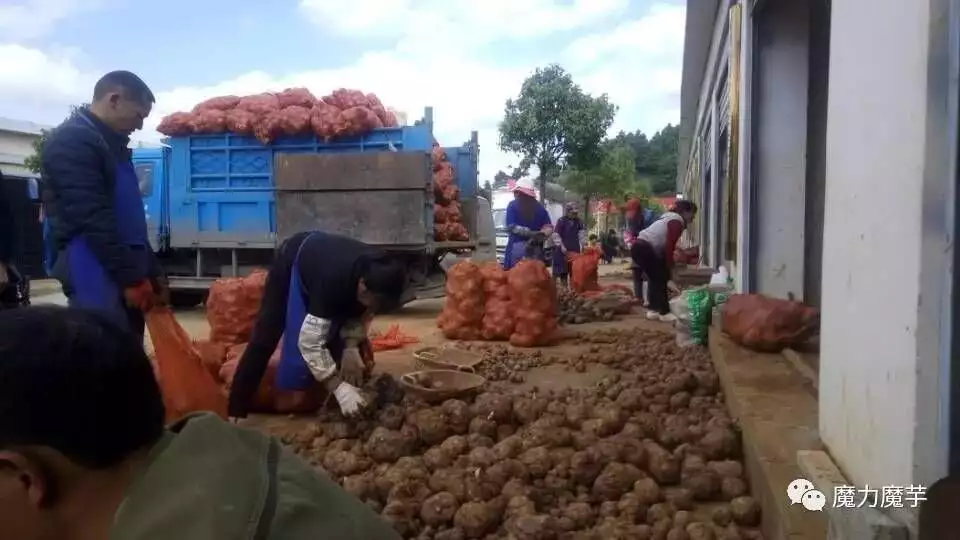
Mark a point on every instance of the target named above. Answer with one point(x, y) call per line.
point(93, 200)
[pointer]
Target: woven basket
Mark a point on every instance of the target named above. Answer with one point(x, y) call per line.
point(436, 385)
point(452, 359)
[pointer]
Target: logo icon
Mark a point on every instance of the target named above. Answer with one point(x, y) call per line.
point(814, 500)
point(797, 488)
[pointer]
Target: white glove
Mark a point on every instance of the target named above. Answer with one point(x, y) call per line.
point(521, 230)
point(349, 399)
point(351, 366)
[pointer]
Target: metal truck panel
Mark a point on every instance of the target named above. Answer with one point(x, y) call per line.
point(465, 160)
point(381, 198)
point(222, 190)
point(151, 168)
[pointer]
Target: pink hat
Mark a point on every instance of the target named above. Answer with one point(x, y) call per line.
point(525, 186)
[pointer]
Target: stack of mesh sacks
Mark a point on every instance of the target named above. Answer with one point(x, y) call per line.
point(293, 112)
point(447, 218)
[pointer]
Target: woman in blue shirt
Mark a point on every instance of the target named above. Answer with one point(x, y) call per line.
point(527, 220)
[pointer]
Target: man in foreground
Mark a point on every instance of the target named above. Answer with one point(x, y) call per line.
point(84, 454)
point(93, 201)
point(321, 291)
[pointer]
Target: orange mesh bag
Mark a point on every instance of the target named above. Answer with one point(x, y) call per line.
point(584, 271)
point(240, 122)
point(462, 316)
point(232, 307)
point(323, 120)
point(269, 127)
point(447, 213)
point(296, 97)
point(345, 98)
point(208, 121)
point(768, 324)
point(295, 120)
point(498, 320)
point(393, 338)
point(268, 399)
point(534, 304)
point(260, 104)
point(219, 103)
point(186, 384)
point(175, 124)
point(377, 107)
point(212, 355)
point(356, 121)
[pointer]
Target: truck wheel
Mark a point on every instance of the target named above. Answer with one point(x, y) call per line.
point(186, 299)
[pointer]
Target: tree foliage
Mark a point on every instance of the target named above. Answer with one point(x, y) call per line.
point(554, 124)
point(656, 157)
point(34, 160)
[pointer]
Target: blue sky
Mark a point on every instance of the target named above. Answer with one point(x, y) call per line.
point(463, 58)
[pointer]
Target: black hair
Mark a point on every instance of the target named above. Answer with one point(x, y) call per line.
point(132, 86)
point(593, 237)
point(684, 206)
point(386, 277)
point(72, 381)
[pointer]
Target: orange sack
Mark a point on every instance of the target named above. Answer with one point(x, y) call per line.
point(232, 307)
point(533, 297)
point(268, 399)
point(186, 384)
point(497, 313)
point(462, 315)
point(584, 271)
point(767, 324)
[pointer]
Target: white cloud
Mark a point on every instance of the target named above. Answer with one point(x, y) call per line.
point(637, 62)
point(30, 19)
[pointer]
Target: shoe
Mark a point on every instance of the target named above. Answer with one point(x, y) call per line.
point(668, 318)
point(653, 316)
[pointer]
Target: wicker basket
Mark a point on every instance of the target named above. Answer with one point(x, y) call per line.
point(452, 359)
point(436, 385)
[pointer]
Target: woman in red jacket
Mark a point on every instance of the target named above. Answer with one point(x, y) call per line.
point(652, 253)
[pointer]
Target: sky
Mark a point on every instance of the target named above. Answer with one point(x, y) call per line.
point(463, 58)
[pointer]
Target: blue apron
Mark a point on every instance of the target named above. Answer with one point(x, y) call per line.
point(91, 287)
point(293, 373)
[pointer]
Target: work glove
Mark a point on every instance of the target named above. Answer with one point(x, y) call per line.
point(349, 399)
point(521, 230)
point(140, 296)
point(351, 366)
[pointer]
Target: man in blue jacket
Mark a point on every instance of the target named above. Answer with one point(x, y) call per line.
point(92, 198)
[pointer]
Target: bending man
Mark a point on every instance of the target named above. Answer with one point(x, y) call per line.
point(321, 291)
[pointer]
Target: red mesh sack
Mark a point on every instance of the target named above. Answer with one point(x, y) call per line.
point(356, 121)
point(323, 120)
point(438, 156)
point(208, 121)
point(296, 120)
point(584, 270)
point(448, 213)
point(185, 383)
point(232, 307)
point(345, 98)
point(296, 97)
point(497, 316)
point(462, 316)
point(268, 398)
point(240, 122)
point(219, 103)
point(534, 304)
point(260, 104)
point(390, 120)
point(212, 355)
point(377, 107)
point(176, 124)
point(767, 324)
point(269, 127)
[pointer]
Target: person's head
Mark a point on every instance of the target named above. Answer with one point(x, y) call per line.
point(612, 232)
point(382, 283)
point(686, 209)
point(571, 210)
point(78, 402)
point(524, 189)
point(122, 100)
point(593, 238)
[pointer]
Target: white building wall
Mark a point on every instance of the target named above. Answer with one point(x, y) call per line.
point(14, 148)
point(886, 243)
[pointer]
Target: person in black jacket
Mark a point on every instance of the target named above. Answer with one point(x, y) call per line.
point(321, 291)
point(8, 236)
point(93, 200)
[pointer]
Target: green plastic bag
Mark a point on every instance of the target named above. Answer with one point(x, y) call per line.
point(699, 302)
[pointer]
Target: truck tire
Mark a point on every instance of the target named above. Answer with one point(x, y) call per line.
point(187, 299)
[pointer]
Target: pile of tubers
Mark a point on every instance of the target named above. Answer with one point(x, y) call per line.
point(577, 309)
point(648, 453)
point(503, 364)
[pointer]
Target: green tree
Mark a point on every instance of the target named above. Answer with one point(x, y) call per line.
point(615, 176)
point(34, 160)
point(656, 156)
point(554, 124)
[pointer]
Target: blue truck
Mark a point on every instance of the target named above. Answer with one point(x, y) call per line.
point(219, 205)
